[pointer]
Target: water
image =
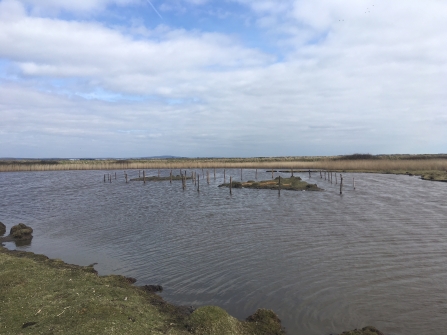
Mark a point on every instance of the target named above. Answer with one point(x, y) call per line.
point(323, 262)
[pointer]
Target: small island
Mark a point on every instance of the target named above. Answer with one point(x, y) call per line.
point(155, 178)
point(290, 184)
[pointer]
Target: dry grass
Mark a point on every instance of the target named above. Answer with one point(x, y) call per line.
point(395, 164)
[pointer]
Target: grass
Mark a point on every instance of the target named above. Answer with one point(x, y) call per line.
point(292, 184)
point(43, 296)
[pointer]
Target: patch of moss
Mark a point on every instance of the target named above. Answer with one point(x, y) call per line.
point(211, 320)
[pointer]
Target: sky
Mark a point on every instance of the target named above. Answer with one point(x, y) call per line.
point(228, 78)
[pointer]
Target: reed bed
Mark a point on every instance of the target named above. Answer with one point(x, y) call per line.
point(366, 165)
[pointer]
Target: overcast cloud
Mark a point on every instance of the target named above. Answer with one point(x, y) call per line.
point(112, 78)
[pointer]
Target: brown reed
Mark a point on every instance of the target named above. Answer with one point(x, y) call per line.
point(304, 163)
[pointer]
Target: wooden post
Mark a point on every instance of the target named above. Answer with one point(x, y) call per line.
point(256, 176)
point(144, 176)
point(192, 177)
point(214, 173)
point(241, 175)
point(195, 178)
point(104, 178)
point(279, 186)
point(353, 182)
point(170, 177)
point(272, 174)
point(208, 177)
point(331, 177)
point(139, 173)
point(198, 183)
point(110, 177)
point(321, 175)
point(341, 184)
point(335, 179)
point(309, 173)
point(126, 177)
point(231, 184)
point(292, 172)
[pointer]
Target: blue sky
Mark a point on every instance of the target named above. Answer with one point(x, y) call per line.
point(197, 78)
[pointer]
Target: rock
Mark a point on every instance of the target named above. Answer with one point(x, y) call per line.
point(369, 330)
point(267, 322)
point(21, 232)
point(2, 229)
point(152, 288)
point(131, 280)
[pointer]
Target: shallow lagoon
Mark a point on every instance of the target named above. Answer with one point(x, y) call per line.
point(323, 262)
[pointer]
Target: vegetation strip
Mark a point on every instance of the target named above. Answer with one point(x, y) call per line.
point(429, 167)
point(291, 184)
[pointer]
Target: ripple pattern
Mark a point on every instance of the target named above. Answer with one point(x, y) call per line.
point(324, 262)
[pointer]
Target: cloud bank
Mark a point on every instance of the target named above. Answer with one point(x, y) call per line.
point(100, 79)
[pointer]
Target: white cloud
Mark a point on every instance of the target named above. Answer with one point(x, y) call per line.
point(347, 80)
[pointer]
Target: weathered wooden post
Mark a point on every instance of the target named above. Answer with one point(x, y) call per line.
point(198, 183)
point(324, 175)
point(331, 177)
point(195, 178)
point(353, 183)
point(208, 177)
point(309, 173)
point(192, 177)
point(104, 178)
point(170, 177)
point(341, 184)
point(231, 185)
point(241, 175)
point(321, 175)
point(256, 175)
point(126, 177)
point(139, 173)
point(279, 186)
point(292, 172)
point(144, 176)
point(214, 173)
point(272, 173)
point(335, 179)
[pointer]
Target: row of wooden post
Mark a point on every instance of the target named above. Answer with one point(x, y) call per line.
point(196, 179)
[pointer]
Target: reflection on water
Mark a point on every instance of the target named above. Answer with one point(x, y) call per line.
point(323, 262)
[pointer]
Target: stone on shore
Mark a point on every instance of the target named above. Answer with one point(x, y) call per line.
point(369, 330)
point(21, 232)
point(2, 229)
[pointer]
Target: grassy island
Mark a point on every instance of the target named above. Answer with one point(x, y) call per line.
point(155, 178)
point(292, 184)
point(39, 295)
